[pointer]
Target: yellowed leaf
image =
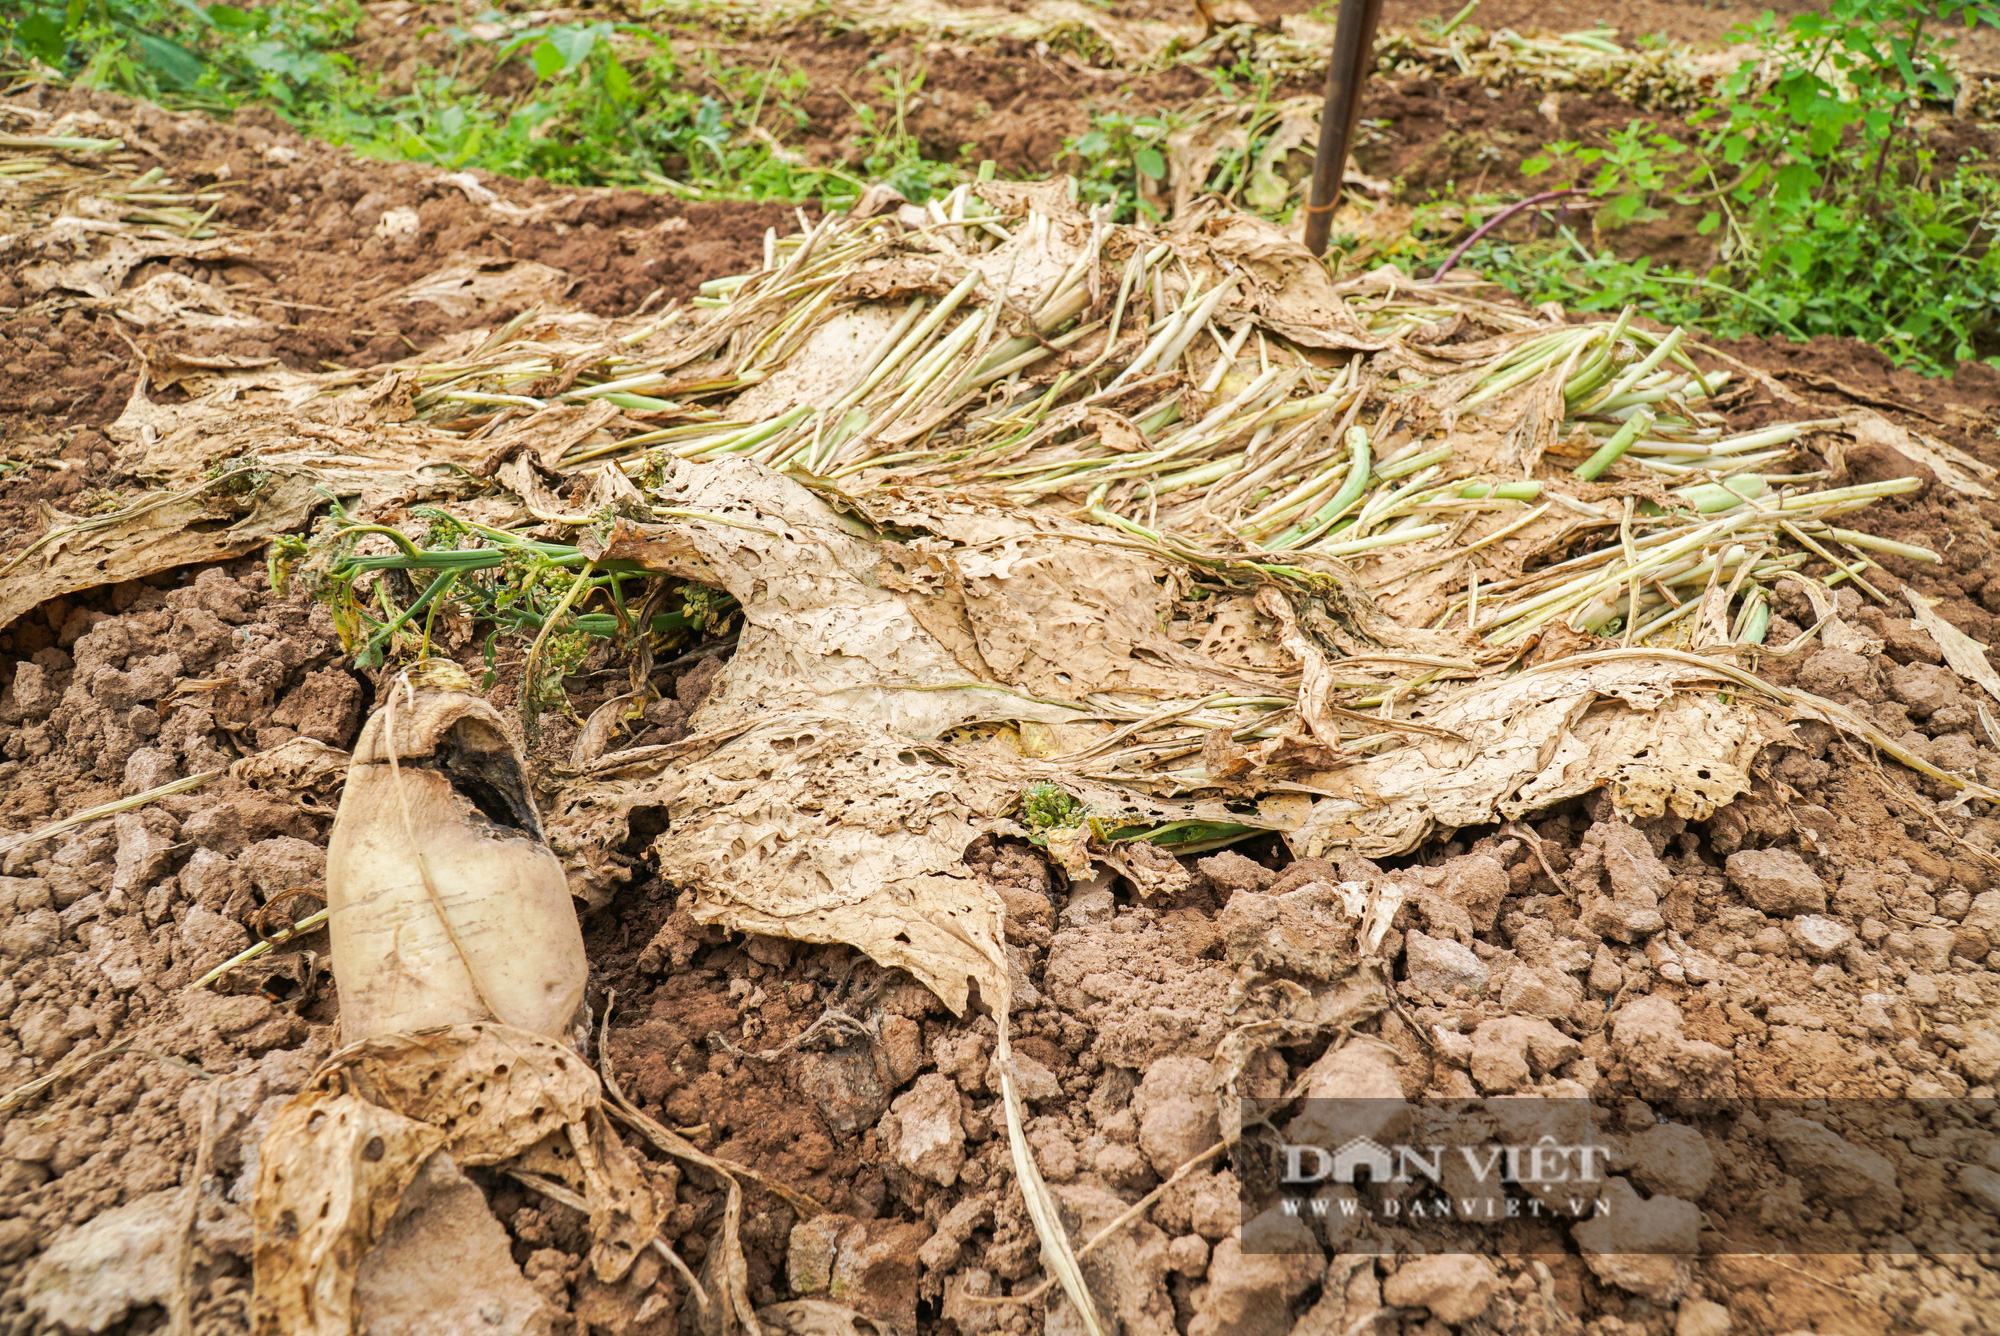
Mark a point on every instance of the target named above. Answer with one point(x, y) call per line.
point(330, 1172)
point(1966, 656)
point(212, 521)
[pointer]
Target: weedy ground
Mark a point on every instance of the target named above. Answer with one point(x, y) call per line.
point(1828, 178)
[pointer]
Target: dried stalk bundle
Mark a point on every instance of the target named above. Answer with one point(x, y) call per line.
point(1664, 79)
point(98, 182)
point(1207, 392)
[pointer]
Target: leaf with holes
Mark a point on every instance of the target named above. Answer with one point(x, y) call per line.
point(338, 1158)
point(330, 1173)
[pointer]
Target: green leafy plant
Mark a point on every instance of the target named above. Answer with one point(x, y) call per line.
point(214, 56)
point(1111, 159)
point(1829, 209)
point(889, 153)
point(608, 103)
point(512, 585)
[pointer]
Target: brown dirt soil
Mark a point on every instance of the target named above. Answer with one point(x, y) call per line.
point(1696, 22)
point(104, 928)
point(325, 289)
point(304, 219)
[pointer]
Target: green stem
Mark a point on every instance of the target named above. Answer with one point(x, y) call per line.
point(1506, 491)
point(1744, 297)
point(1350, 491)
point(1608, 453)
point(388, 631)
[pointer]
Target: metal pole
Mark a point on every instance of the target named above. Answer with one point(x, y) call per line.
point(1353, 58)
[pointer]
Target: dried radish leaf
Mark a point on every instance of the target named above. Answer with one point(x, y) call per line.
point(331, 1172)
point(1316, 676)
point(218, 519)
point(495, 1090)
point(1966, 656)
point(726, 1262)
point(825, 830)
point(1285, 288)
point(905, 633)
point(469, 286)
point(1646, 725)
point(625, 1214)
point(104, 259)
point(487, 1094)
point(1954, 467)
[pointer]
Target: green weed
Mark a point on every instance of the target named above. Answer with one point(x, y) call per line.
point(608, 103)
point(1114, 157)
point(213, 56)
point(510, 586)
point(890, 154)
point(1830, 211)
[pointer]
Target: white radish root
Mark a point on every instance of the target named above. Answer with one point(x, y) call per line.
point(445, 904)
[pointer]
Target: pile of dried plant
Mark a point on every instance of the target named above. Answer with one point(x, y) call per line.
point(1127, 540)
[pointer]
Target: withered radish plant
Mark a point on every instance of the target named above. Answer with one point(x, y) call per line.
point(461, 970)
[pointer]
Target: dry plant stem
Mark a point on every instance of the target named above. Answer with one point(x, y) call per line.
point(102, 810)
point(734, 1268)
point(181, 1310)
point(69, 1067)
point(1631, 574)
point(1902, 796)
point(529, 715)
point(1125, 1217)
point(1806, 541)
point(317, 919)
point(1867, 1299)
point(27, 1090)
point(1056, 1252)
point(844, 1025)
point(563, 1196)
point(1534, 842)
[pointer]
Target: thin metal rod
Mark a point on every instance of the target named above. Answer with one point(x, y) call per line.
point(1353, 58)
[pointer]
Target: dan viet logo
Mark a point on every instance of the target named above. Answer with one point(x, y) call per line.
point(1471, 1182)
point(1678, 1177)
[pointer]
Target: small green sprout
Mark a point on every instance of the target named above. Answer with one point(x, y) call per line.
point(1047, 806)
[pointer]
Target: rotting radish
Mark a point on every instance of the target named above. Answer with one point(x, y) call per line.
point(445, 903)
point(459, 964)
